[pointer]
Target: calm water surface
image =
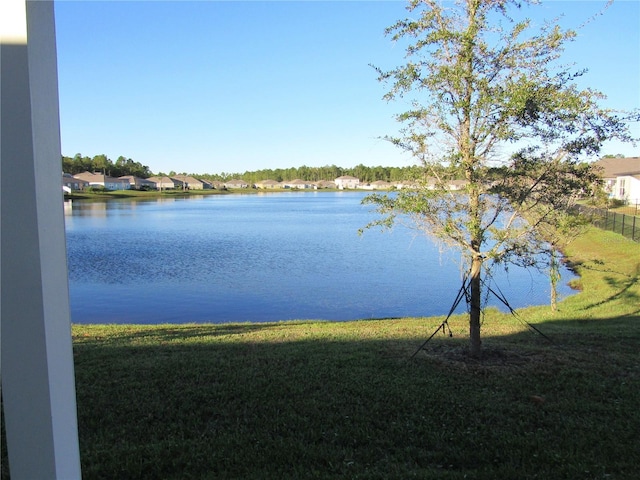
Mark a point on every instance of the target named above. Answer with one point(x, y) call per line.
point(269, 257)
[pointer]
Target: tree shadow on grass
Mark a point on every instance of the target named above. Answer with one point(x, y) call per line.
point(166, 334)
point(622, 290)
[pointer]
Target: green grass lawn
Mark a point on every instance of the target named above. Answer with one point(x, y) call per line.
point(300, 400)
point(632, 209)
point(141, 194)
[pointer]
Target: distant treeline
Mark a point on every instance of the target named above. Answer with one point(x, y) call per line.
point(126, 166)
point(315, 174)
point(101, 163)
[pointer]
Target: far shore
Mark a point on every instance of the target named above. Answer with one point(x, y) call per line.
point(117, 194)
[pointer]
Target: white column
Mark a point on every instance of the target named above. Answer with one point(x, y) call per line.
point(38, 385)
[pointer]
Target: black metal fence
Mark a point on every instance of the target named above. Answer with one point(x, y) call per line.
point(627, 225)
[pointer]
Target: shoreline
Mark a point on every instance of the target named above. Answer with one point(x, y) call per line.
point(151, 194)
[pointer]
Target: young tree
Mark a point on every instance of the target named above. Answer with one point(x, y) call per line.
point(480, 80)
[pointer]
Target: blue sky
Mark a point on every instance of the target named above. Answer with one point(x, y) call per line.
point(213, 86)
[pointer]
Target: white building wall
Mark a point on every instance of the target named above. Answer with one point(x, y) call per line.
point(634, 190)
point(38, 385)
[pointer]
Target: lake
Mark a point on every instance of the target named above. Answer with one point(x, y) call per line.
point(260, 257)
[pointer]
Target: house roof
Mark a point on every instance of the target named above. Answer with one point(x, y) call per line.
point(92, 177)
point(133, 179)
point(66, 178)
point(616, 167)
point(164, 179)
point(188, 179)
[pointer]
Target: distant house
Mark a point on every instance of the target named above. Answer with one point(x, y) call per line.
point(268, 184)
point(72, 183)
point(458, 184)
point(138, 183)
point(206, 184)
point(193, 183)
point(432, 183)
point(166, 183)
point(347, 181)
point(217, 185)
point(102, 180)
point(621, 178)
point(324, 184)
point(381, 185)
point(406, 184)
point(236, 183)
point(297, 184)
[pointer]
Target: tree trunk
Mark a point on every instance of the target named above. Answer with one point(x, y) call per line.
point(554, 276)
point(475, 344)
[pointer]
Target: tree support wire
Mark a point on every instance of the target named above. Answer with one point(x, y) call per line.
point(463, 292)
point(500, 296)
